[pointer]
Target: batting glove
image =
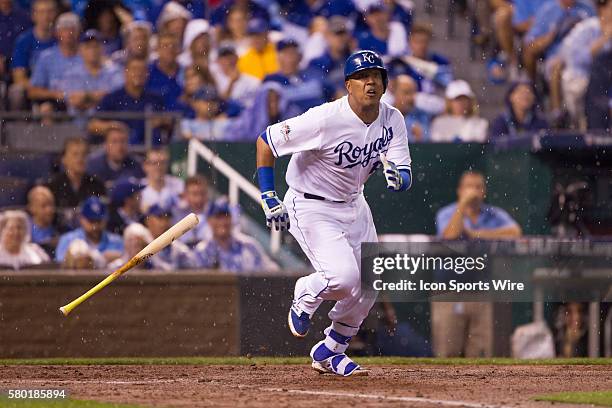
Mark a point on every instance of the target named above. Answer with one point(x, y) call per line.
point(275, 210)
point(392, 174)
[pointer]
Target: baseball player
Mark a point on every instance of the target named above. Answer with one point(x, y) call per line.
point(335, 147)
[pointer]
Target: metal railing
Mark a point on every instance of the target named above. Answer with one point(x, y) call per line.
point(237, 182)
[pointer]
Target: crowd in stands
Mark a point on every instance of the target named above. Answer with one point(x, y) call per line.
point(79, 220)
point(229, 68)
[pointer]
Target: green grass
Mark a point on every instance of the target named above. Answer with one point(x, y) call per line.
point(59, 403)
point(601, 398)
point(298, 360)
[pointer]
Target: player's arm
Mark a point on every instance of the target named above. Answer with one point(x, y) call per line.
point(397, 163)
point(276, 212)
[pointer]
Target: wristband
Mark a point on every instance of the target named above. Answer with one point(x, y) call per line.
point(265, 175)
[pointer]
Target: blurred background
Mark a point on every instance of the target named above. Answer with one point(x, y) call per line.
point(119, 117)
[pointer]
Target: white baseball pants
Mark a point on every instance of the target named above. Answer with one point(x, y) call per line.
point(331, 234)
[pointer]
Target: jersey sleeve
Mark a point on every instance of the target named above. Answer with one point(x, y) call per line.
point(298, 134)
point(399, 152)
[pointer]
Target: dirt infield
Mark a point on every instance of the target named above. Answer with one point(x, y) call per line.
point(297, 386)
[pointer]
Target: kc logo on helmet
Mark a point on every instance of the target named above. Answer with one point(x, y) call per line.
point(369, 57)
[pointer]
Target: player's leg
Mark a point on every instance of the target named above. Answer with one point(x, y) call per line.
point(319, 228)
point(349, 312)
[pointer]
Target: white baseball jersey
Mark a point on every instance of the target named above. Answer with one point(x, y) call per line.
point(334, 152)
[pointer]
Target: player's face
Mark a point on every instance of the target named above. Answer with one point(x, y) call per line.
point(366, 87)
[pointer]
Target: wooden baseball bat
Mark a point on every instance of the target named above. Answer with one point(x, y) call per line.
point(154, 247)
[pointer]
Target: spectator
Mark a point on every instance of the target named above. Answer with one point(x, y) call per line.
point(136, 37)
point(585, 42)
point(253, 10)
point(125, 205)
point(173, 19)
point(53, 63)
point(260, 59)
point(271, 106)
point(196, 77)
point(417, 120)
point(43, 220)
point(114, 161)
point(301, 90)
point(521, 112)
point(234, 31)
point(135, 237)
point(163, 73)
point(552, 22)
point(13, 21)
point(384, 36)
point(196, 44)
point(420, 40)
point(231, 83)
point(229, 251)
point(466, 329)
point(73, 184)
point(16, 250)
point(133, 97)
point(161, 188)
point(461, 123)
point(598, 101)
point(93, 231)
point(176, 255)
point(523, 15)
point(87, 82)
point(81, 256)
point(105, 16)
point(210, 122)
point(195, 200)
point(28, 47)
point(330, 65)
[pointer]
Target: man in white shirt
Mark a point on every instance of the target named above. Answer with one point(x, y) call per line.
point(231, 83)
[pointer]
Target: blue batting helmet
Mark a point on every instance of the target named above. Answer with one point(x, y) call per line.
point(364, 59)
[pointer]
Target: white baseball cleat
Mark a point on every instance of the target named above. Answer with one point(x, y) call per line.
point(338, 364)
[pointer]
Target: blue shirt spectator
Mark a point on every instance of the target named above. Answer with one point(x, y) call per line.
point(384, 36)
point(92, 231)
point(525, 10)
point(13, 21)
point(417, 120)
point(470, 217)
point(165, 85)
point(301, 13)
point(122, 101)
point(553, 17)
point(229, 251)
point(49, 71)
point(133, 97)
point(27, 50)
point(302, 90)
point(114, 161)
point(520, 114)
